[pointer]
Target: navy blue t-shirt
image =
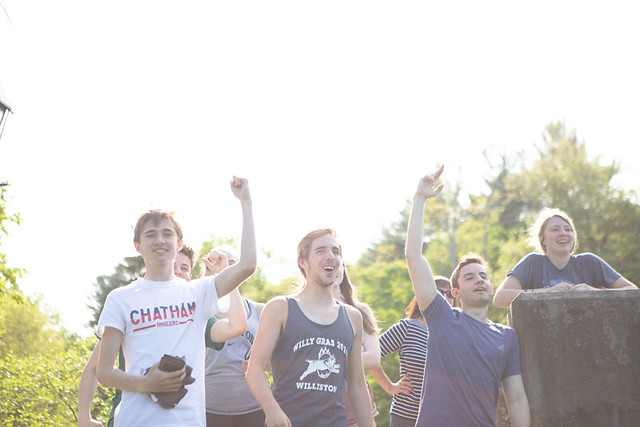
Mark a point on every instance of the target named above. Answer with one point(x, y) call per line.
point(537, 271)
point(467, 360)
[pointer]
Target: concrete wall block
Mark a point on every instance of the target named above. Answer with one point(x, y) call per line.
point(580, 356)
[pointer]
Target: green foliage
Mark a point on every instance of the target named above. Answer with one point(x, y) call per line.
point(257, 289)
point(41, 390)
point(8, 276)
point(385, 288)
point(24, 316)
point(40, 367)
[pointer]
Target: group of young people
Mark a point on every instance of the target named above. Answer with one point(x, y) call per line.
point(190, 362)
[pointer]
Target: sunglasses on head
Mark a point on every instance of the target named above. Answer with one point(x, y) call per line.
point(446, 293)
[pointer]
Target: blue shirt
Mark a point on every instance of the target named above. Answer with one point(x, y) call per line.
point(537, 271)
point(466, 362)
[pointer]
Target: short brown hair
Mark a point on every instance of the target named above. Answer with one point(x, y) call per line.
point(189, 253)
point(155, 215)
point(305, 244)
point(470, 258)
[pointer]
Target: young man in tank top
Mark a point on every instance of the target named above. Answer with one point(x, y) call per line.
point(314, 345)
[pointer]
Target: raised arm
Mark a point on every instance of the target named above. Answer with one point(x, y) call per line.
point(272, 321)
point(236, 322)
point(87, 390)
point(231, 277)
point(421, 276)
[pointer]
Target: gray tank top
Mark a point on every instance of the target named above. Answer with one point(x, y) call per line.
point(310, 368)
point(227, 391)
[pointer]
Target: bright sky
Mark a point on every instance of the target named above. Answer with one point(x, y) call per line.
point(332, 110)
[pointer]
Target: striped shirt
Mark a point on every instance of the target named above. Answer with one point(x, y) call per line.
point(408, 338)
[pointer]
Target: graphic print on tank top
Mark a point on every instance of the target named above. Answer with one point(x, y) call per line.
point(324, 366)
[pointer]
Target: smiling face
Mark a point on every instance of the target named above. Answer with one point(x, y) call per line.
point(322, 264)
point(159, 242)
point(557, 236)
point(182, 266)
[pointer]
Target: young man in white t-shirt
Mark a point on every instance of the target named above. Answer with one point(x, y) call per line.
point(161, 314)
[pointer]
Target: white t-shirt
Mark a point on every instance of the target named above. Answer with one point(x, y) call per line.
point(158, 318)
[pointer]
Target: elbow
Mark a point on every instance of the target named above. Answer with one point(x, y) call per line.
point(370, 362)
point(249, 267)
point(239, 330)
point(499, 302)
point(101, 376)
point(407, 253)
point(411, 257)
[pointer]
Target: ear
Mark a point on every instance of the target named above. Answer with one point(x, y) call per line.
point(455, 292)
point(180, 245)
point(302, 264)
point(137, 246)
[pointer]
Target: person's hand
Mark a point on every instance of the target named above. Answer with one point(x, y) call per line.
point(583, 287)
point(215, 262)
point(560, 287)
point(277, 418)
point(426, 187)
point(240, 188)
point(89, 423)
point(157, 381)
point(402, 386)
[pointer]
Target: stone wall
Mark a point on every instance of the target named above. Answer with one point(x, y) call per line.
point(580, 357)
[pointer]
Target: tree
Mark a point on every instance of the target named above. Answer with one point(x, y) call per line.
point(8, 276)
point(24, 315)
point(39, 367)
point(563, 176)
point(126, 272)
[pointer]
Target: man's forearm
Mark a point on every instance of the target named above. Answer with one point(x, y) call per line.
point(248, 251)
point(415, 229)
point(116, 378)
point(259, 386)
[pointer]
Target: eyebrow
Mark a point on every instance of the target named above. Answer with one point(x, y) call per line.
point(330, 247)
point(155, 230)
